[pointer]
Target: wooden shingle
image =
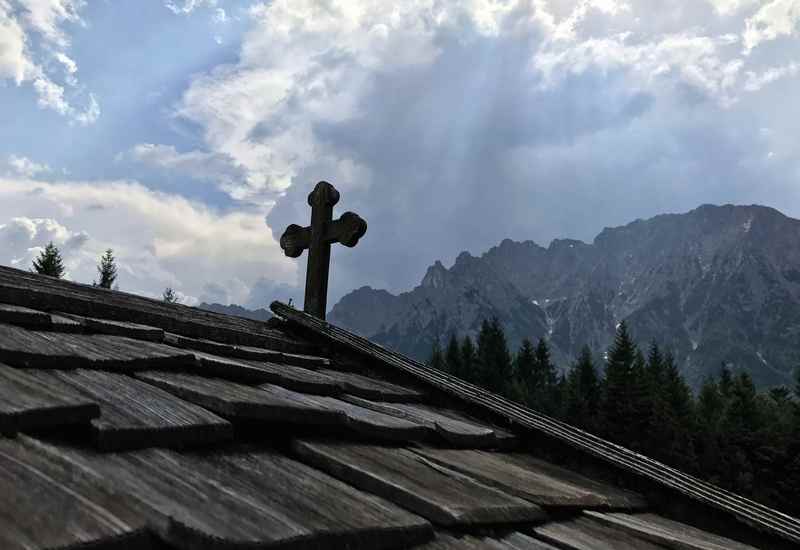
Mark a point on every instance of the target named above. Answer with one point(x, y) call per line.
point(29, 402)
point(535, 480)
point(401, 476)
point(253, 499)
point(47, 502)
point(233, 400)
point(135, 414)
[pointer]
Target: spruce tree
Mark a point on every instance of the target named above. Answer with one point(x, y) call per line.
point(524, 366)
point(655, 366)
point(583, 392)
point(678, 447)
point(640, 405)
point(545, 371)
point(436, 360)
point(452, 357)
point(544, 394)
point(741, 424)
point(107, 269)
point(494, 359)
point(742, 417)
point(710, 411)
point(725, 381)
point(49, 262)
point(797, 382)
point(797, 403)
point(617, 387)
point(469, 359)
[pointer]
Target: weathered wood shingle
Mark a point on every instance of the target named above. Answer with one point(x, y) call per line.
point(253, 499)
point(20, 347)
point(47, 502)
point(535, 480)
point(436, 493)
point(29, 402)
point(233, 400)
point(135, 414)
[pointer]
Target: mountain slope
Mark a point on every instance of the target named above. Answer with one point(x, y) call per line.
point(719, 283)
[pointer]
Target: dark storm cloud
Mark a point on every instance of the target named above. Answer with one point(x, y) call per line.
point(452, 128)
point(472, 149)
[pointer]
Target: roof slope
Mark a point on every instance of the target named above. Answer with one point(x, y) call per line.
point(129, 423)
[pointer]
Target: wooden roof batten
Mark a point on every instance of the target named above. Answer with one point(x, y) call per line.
point(751, 513)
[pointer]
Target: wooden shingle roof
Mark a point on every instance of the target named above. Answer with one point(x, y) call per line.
point(126, 422)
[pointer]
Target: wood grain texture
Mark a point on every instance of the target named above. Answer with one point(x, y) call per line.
point(252, 499)
point(37, 349)
point(586, 534)
point(513, 541)
point(117, 328)
point(17, 315)
point(373, 388)
point(246, 352)
point(34, 291)
point(375, 424)
point(28, 402)
point(40, 320)
point(233, 400)
point(403, 477)
point(288, 376)
point(455, 432)
point(535, 480)
point(747, 512)
point(135, 414)
point(671, 534)
point(47, 502)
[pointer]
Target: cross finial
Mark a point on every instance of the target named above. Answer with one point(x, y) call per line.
point(317, 238)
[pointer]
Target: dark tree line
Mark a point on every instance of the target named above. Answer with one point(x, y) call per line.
point(729, 434)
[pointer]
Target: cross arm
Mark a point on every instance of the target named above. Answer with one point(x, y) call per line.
point(347, 230)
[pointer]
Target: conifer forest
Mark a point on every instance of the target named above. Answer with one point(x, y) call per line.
point(728, 433)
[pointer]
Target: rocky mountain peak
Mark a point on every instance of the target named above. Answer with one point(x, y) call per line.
point(435, 277)
point(718, 283)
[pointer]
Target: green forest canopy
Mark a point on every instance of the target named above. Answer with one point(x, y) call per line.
point(728, 433)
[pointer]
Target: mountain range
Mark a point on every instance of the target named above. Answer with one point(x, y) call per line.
point(718, 284)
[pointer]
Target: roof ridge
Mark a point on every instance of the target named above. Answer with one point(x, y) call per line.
point(746, 510)
point(49, 294)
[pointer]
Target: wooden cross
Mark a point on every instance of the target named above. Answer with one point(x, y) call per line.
point(317, 238)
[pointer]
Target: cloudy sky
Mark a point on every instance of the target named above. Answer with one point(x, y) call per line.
point(186, 134)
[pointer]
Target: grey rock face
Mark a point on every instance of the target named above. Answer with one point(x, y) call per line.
point(719, 283)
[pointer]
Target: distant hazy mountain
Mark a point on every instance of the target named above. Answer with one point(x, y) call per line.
point(719, 283)
point(259, 314)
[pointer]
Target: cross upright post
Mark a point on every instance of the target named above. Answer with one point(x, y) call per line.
point(317, 238)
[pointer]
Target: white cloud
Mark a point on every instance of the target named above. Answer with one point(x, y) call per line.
point(25, 167)
point(688, 58)
point(14, 62)
point(22, 239)
point(219, 17)
point(774, 19)
point(756, 81)
point(70, 68)
point(188, 6)
point(28, 26)
point(200, 165)
point(416, 110)
point(730, 7)
point(159, 239)
point(306, 63)
point(47, 17)
point(51, 96)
